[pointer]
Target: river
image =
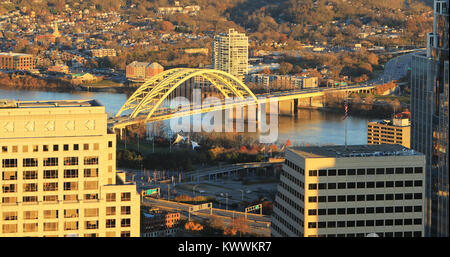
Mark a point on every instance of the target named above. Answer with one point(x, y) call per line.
point(312, 127)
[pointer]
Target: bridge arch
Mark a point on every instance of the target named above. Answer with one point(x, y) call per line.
point(149, 96)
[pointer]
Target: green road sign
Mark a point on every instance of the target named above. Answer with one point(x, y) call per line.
point(151, 191)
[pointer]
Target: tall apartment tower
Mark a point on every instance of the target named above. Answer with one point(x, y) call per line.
point(58, 173)
point(350, 191)
point(429, 119)
point(230, 53)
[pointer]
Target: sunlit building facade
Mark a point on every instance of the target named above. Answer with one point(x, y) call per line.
point(429, 119)
point(58, 173)
point(353, 191)
point(230, 53)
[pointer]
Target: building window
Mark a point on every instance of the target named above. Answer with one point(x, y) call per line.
point(90, 160)
point(110, 211)
point(313, 173)
point(55, 148)
point(50, 226)
point(90, 185)
point(125, 234)
point(125, 210)
point(49, 174)
point(91, 197)
point(76, 147)
point(9, 163)
point(53, 161)
point(30, 215)
point(125, 223)
point(66, 147)
point(30, 199)
point(30, 174)
point(110, 223)
point(110, 197)
point(72, 173)
point(50, 214)
point(91, 173)
point(85, 146)
point(70, 186)
point(9, 175)
point(70, 161)
point(91, 212)
point(30, 162)
point(30, 227)
point(10, 215)
point(331, 172)
point(9, 228)
point(50, 198)
point(52, 186)
point(110, 144)
point(30, 187)
point(45, 148)
point(9, 188)
point(71, 225)
point(126, 196)
point(71, 213)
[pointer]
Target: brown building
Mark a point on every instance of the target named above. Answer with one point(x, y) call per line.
point(16, 61)
point(159, 223)
point(141, 71)
point(395, 131)
point(103, 52)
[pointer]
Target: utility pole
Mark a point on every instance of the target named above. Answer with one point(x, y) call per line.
point(168, 192)
point(226, 200)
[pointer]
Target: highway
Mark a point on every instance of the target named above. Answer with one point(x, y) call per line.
point(258, 224)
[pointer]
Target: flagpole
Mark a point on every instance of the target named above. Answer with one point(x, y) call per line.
point(346, 110)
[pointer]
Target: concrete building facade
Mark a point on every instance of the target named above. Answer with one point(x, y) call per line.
point(230, 53)
point(353, 191)
point(58, 173)
point(395, 131)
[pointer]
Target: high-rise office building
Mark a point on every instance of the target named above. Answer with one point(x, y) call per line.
point(230, 53)
point(353, 191)
point(58, 172)
point(429, 119)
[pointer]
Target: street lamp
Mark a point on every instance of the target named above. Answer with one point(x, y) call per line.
point(242, 193)
point(193, 191)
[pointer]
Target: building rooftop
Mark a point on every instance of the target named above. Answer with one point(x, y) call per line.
point(340, 151)
point(5, 103)
point(15, 54)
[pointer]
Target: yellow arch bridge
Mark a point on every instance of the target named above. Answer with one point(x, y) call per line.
point(145, 103)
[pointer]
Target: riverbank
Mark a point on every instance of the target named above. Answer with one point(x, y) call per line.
point(36, 83)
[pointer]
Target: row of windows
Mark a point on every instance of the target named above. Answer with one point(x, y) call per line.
point(365, 210)
point(68, 225)
point(291, 202)
point(286, 224)
point(295, 180)
point(110, 197)
point(49, 186)
point(49, 174)
point(369, 171)
point(291, 190)
point(370, 184)
point(49, 161)
point(351, 172)
point(68, 213)
point(380, 234)
point(364, 223)
point(370, 197)
point(54, 148)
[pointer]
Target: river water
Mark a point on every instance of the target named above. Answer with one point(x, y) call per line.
point(311, 127)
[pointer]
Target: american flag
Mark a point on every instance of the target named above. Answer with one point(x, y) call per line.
point(345, 109)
